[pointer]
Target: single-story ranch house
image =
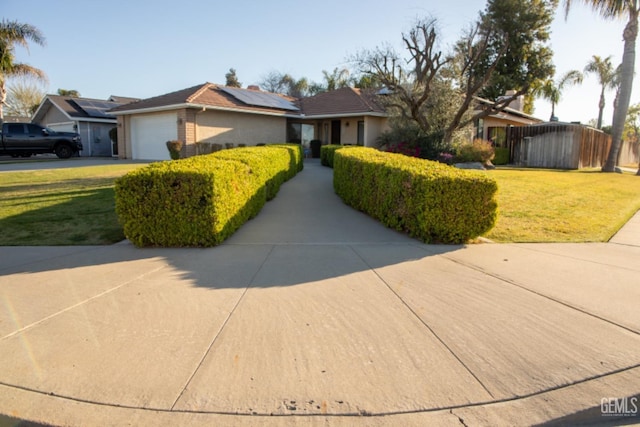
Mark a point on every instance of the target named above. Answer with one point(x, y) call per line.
point(216, 114)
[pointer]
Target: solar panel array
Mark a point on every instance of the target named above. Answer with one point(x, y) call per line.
point(95, 108)
point(260, 99)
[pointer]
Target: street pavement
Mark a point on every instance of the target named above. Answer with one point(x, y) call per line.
point(315, 314)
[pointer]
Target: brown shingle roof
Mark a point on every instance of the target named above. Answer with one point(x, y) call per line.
point(207, 94)
point(335, 103)
point(341, 101)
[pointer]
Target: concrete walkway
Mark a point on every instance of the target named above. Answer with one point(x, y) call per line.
point(315, 314)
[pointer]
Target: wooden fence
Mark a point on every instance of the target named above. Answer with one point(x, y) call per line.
point(557, 146)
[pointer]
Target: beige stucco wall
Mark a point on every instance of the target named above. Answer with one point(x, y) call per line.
point(222, 127)
point(373, 128)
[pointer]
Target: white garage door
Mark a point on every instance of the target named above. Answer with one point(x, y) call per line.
point(62, 127)
point(149, 135)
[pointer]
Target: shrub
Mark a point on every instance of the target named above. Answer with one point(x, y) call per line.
point(296, 157)
point(501, 157)
point(269, 165)
point(327, 152)
point(446, 158)
point(174, 148)
point(198, 201)
point(202, 200)
point(477, 151)
point(406, 148)
point(428, 200)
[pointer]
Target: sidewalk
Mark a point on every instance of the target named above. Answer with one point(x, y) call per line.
point(315, 314)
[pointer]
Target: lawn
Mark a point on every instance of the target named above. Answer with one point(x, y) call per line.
point(562, 206)
point(73, 206)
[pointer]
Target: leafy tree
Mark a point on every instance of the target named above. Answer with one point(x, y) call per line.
point(12, 33)
point(23, 98)
point(523, 31)
point(632, 128)
point(552, 90)
point(632, 124)
point(606, 74)
point(434, 82)
point(232, 78)
point(69, 92)
point(337, 79)
point(286, 84)
point(273, 82)
point(629, 9)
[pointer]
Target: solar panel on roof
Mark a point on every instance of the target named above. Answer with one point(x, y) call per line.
point(260, 99)
point(96, 108)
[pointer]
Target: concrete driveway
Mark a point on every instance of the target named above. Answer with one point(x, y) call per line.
point(315, 314)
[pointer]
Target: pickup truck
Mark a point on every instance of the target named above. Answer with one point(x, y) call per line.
point(25, 139)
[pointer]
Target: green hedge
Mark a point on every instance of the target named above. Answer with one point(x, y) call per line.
point(327, 152)
point(202, 200)
point(430, 201)
point(501, 157)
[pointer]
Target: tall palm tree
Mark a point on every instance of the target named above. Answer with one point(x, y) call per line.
point(552, 90)
point(629, 9)
point(604, 71)
point(14, 33)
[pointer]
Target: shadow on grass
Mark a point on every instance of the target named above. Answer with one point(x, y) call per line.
point(68, 218)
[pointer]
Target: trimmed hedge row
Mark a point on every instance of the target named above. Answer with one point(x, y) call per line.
point(201, 200)
point(327, 153)
point(430, 201)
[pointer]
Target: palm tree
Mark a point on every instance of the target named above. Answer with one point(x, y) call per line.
point(604, 71)
point(337, 79)
point(552, 91)
point(629, 9)
point(12, 33)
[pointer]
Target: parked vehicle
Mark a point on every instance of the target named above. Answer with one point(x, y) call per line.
point(26, 139)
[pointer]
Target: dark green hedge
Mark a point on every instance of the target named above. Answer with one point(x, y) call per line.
point(430, 201)
point(327, 152)
point(202, 200)
point(501, 157)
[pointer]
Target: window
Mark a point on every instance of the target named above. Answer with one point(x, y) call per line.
point(480, 128)
point(498, 136)
point(15, 129)
point(35, 130)
point(300, 133)
point(361, 132)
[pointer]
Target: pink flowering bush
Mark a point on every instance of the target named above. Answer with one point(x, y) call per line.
point(404, 148)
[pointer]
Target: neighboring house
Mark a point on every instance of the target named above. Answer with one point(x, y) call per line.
point(86, 116)
point(210, 113)
point(494, 126)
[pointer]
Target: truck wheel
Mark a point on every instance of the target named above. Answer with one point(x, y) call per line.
point(63, 151)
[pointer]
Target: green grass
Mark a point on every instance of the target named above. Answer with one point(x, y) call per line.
point(73, 206)
point(562, 206)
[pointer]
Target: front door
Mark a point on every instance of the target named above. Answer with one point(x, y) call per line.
point(335, 131)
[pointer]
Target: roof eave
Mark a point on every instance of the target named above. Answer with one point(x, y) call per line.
point(341, 115)
point(200, 106)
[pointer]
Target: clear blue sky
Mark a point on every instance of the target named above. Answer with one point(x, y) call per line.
point(146, 48)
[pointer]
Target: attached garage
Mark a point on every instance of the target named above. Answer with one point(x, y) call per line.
point(149, 134)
